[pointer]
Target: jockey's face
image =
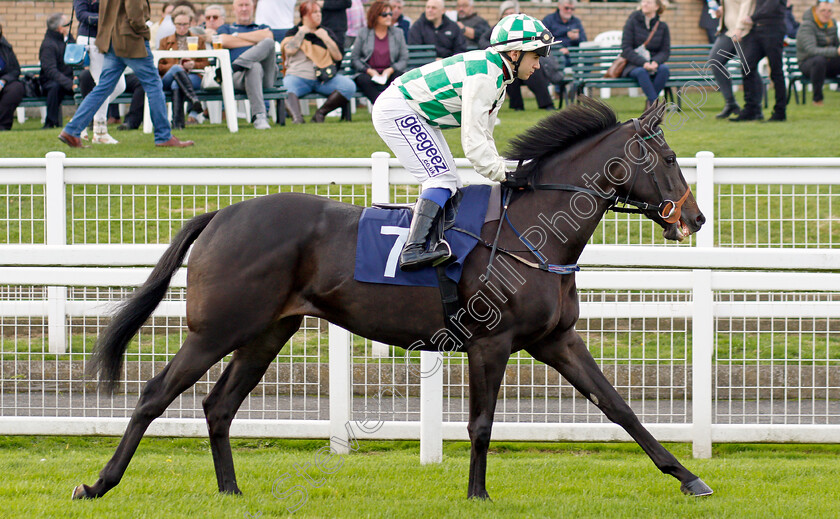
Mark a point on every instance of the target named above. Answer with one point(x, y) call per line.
point(529, 64)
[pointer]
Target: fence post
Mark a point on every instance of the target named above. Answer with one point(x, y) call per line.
point(56, 234)
point(706, 197)
point(702, 332)
point(341, 388)
point(431, 407)
point(380, 193)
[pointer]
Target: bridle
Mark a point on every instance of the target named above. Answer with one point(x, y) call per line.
point(669, 210)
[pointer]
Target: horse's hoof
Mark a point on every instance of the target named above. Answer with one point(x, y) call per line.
point(81, 492)
point(696, 488)
point(484, 496)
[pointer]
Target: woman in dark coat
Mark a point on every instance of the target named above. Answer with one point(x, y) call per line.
point(11, 89)
point(647, 64)
point(379, 51)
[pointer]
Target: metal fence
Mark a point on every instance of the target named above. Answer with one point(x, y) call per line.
point(701, 353)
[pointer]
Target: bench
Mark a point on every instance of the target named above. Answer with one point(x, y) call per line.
point(796, 79)
point(687, 64)
point(36, 102)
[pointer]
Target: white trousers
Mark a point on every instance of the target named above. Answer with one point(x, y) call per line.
point(419, 146)
point(97, 59)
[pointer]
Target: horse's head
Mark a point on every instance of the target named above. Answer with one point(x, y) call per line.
point(650, 178)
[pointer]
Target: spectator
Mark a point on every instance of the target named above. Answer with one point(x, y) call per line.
point(180, 75)
point(334, 18)
point(164, 27)
point(87, 12)
point(134, 117)
point(646, 63)
point(355, 20)
point(56, 76)
point(791, 25)
point(277, 14)
point(818, 47)
point(380, 54)
point(473, 25)
point(708, 13)
point(733, 28)
point(11, 89)
point(433, 28)
point(306, 48)
point(253, 58)
point(566, 27)
point(214, 17)
point(124, 38)
point(766, 38)
point(399, 19)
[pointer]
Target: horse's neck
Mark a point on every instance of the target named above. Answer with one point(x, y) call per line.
point(566, 220)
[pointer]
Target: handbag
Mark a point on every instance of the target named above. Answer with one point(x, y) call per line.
point(617, 66)
point(208, 80)
point(323, 74)
point(74, 53)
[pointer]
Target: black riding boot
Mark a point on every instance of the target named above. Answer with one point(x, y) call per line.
point(177, 109)
point(293, 107)
point(335, 100)
point(185, 85)
point(415, 255)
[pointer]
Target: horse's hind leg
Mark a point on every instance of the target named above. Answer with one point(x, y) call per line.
point(194, 358)
point(238, 380)
point(572, 359)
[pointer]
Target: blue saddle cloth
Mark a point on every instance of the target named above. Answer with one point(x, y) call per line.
point(382, 234)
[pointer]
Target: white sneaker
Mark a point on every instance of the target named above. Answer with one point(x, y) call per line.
point(261, 122)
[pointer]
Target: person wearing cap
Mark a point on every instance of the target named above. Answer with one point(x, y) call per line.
point(465, 90)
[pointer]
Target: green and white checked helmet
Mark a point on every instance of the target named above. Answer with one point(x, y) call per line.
point(521, 32)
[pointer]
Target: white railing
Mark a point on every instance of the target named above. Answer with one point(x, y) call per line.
point(701, 273)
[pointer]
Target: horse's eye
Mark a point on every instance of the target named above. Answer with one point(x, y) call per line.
point(671, 160)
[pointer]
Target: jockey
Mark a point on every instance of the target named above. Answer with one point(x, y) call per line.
point(464, 90)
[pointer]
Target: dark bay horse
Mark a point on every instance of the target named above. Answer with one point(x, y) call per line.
point(258, 267)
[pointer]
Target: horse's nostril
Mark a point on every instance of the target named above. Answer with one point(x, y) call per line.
point(700, 219)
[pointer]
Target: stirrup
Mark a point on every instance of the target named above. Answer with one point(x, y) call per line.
point(446, 260)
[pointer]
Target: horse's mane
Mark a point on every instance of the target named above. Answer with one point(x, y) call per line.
point(558, 131)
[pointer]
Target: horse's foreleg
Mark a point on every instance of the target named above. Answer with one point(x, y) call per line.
point(194, 358)
point(487, 364)
point(572, 359)
point(244, 372)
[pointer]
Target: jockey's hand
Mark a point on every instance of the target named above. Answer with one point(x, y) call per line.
point(514, 181)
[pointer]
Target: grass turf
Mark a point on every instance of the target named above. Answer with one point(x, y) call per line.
point(808, 132)
point(174, 478)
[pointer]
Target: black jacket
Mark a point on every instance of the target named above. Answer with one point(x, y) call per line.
point(11, 71)
point(334, 17)
point(52, 60)
point(87, 12)
point(635, 33)
point(447, 39)
point(769, 12)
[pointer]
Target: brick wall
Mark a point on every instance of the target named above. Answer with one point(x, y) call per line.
point(24, 22)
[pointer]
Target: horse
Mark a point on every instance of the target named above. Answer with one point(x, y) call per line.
point(259, 266)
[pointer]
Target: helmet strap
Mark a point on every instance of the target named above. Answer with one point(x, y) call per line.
point(516, 63)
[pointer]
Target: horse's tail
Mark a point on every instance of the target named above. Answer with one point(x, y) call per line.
point(133, 312)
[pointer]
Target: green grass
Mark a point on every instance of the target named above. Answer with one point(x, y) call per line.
point(798, 137)
point(174, 478)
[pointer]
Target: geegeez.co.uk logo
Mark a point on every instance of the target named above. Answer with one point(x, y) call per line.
point(422, 144)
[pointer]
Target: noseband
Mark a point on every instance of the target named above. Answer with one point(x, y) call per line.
point(667, 209)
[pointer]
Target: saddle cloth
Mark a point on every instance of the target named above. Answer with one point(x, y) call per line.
point(383, 232)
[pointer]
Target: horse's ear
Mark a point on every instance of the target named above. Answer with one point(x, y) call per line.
point(654, 114)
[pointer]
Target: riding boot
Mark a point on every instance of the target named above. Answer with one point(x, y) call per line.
point(293, 107)
point(415, 255)
point(177, 109)
point(335, 100)
point(185, 85)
